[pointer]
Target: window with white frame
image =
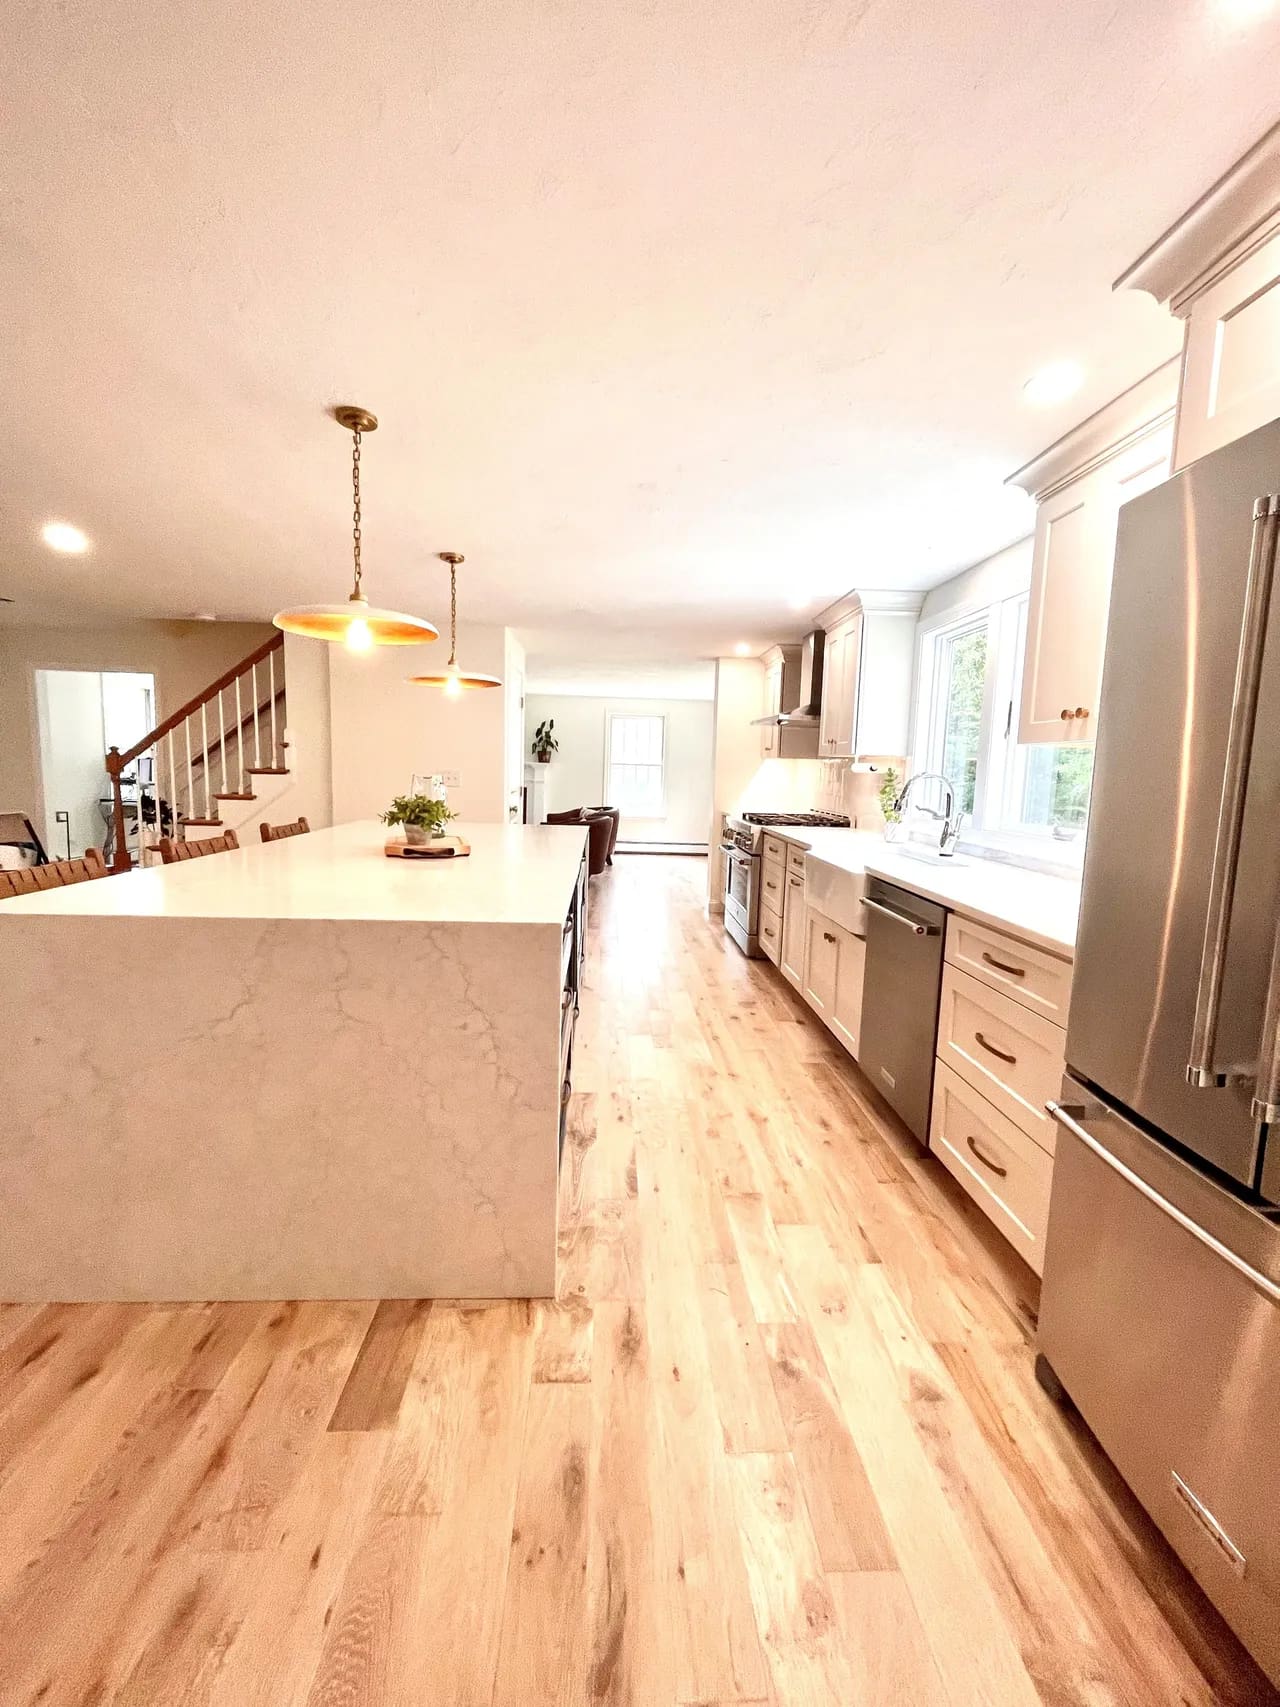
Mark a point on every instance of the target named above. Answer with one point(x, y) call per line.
point(970, 687)
point(635, 780)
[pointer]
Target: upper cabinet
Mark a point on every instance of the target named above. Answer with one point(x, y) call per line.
point(1079, 484)
point(866, 677)
point(1218, 270)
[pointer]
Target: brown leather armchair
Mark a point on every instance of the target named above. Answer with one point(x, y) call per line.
point(601, 830)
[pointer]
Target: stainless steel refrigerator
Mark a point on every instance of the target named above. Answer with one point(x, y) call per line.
point(1160, 1308)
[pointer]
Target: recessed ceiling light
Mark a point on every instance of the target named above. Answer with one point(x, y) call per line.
point(1054, 383)
point(1244, 11)
point(743, 649)
point(61, 536)
point(798, 601)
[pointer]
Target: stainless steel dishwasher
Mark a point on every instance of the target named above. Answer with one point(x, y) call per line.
point(900, 999)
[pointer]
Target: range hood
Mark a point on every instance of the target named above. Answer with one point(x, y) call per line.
point(800, 698)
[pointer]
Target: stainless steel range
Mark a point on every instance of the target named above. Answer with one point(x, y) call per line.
point(740, 841)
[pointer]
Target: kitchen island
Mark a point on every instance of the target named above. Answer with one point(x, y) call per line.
point(294, 1070)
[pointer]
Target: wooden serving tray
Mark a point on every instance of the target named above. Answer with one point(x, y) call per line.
point(442, 847)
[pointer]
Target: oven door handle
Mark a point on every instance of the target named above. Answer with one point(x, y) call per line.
point(1261, 1282)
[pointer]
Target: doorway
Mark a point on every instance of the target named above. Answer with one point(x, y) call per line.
point(80, 714)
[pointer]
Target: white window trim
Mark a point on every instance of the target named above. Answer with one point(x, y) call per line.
point(655, 817)
point(986, 830)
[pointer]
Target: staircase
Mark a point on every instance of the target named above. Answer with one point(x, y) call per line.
point(210, 751)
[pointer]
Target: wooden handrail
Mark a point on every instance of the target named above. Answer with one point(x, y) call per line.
point(116, 761)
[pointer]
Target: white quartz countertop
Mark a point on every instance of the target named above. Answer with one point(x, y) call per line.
point(1036, 906)
point(515, 874)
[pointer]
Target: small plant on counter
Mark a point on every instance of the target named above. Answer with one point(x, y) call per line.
point(890, 787)
point(544, 742)
point(420, 815)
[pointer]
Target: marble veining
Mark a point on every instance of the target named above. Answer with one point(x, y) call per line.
point(200, 1106)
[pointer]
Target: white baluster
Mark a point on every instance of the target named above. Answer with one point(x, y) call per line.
point(221, 739)
point(239, 741)
point(191, 787)
point(173, 794)
point(271, 667)
point(204, 743)
point(257, 751)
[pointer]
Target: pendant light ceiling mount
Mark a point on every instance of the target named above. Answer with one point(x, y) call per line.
point(358, 624)
point(453, 679)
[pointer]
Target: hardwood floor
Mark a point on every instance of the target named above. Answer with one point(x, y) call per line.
point(777, 1441)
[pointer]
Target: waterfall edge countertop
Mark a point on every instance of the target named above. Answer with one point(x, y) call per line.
point(298, 1069)
point(1036, 906)
point(514, 874)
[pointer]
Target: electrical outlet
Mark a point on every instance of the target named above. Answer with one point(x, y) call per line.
point(451, 779)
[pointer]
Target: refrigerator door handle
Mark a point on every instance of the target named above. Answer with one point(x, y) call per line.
point(1203, 1071)
point(1261, 1282)
point(1266, 1099)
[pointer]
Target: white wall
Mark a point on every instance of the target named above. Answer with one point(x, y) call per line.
point(383, 729)
point(739, 698)
point(513, 695)
point(998, 577)
point(576, 774)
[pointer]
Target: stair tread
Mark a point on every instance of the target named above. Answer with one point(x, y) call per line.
point(266, 770)
point(224, 794)
point(202, 823)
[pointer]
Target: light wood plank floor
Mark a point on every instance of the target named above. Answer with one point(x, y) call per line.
point(777, 1441)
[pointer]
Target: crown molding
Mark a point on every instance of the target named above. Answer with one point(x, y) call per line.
point(874, 602)
point(1229, 213)
point(1144, 408)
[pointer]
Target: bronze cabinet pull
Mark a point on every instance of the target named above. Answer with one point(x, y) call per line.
point(827, 937)
point(1003, 966)
point(992, 1050)
point(986, 1161)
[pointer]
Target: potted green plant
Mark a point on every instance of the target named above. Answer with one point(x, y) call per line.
point(544, 742)
point(890, 786)
point(420, 815)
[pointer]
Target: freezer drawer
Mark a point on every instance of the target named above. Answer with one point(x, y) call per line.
point(1160, 1315)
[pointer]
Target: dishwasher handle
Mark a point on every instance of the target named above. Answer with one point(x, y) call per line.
point(905, 919)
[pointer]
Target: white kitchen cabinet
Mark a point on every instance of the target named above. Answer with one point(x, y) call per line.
point(1079, 485)
point(845, 1018)
point(866, 676)
point(1231, 352)
point(834, 962)
point(769, 734)
point(822, 954)
point(1217, 268)
point(795, 928)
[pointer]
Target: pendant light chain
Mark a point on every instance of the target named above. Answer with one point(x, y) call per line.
point(355, 493)
point(453, 614)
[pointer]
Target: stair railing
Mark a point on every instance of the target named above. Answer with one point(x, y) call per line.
point(189, 757)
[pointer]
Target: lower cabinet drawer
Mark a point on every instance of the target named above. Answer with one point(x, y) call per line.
point(771, 933)
point(795, 859)
point(1012, 1056)
point(1006, 1173)
point(773, 883)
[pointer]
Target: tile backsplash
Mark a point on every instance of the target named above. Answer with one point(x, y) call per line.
point(855, 793)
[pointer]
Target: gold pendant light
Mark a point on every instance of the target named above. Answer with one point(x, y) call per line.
point(453, 680)
point(358, 624)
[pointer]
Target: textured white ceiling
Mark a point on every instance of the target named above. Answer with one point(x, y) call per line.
point(669, 311)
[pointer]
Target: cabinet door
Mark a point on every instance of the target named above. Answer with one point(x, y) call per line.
point(845, 1018)
point(850, 674)
point(822, 953)
point(1070, 589)
point(832, 657)
point(1231, 356)
point(794, 932)
point(772, 704)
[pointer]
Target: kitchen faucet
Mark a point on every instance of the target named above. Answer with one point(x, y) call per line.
point(949, 835)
